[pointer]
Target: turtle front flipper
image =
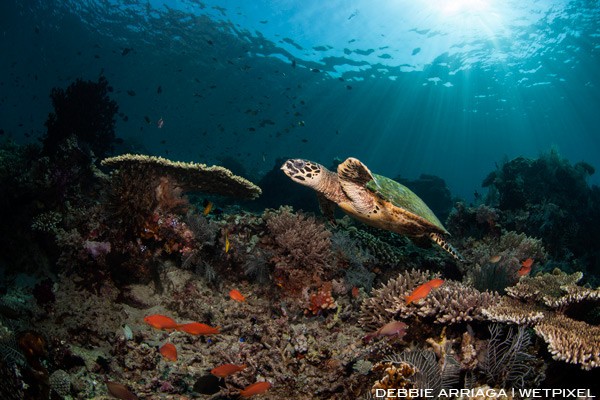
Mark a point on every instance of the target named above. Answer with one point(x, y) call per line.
point(353, 177)
point(439, 240)
point(353, 171)
point(327, 208)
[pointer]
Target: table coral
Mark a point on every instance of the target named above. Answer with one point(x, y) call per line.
point(189, 176)
point(544, 301)
point(572, 341)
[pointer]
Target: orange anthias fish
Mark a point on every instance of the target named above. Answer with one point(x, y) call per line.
point(160, 321)
point(525, 267)
point(196, 328)
point(225, 370)
point(436, 283)
point(235, 294)
point(423, 290)
point(255, 388)
point(207, 208)
point(169, 351)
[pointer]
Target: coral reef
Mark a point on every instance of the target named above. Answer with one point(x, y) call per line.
point(545, 302)
point(395, 376)
point(452, 302)
point(506, 361)
point(298, 241)
point(102, 252)
point(429, 371)
point(550, 199)
point(572, 341)
point(493, 262)
point(187, 176)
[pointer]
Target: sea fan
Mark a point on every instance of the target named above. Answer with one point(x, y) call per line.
point(430, 374)
point(9, 348)
point(506, 361)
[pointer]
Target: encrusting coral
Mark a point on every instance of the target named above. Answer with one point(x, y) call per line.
point(544, 302)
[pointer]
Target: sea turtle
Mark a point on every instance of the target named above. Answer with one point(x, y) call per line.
point(373, 199)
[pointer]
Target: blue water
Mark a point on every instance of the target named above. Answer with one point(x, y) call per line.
point(451, 88)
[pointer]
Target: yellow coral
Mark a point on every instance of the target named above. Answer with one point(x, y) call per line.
point(396, 376)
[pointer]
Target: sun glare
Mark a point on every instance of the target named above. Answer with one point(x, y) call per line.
point(463, 7)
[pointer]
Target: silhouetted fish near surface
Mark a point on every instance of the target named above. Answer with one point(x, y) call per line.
point(131, 92)
point(159, 90)
point(126, 51)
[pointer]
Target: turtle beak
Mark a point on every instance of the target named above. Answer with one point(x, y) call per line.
point(290, 167)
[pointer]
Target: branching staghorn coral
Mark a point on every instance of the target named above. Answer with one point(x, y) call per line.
point(450, 303)
point(544, 301)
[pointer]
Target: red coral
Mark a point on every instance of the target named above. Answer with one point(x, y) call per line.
point(321, 301)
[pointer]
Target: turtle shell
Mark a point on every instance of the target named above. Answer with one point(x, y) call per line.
point(401, 196)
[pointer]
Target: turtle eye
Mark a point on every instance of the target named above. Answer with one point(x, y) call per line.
point(299, 164)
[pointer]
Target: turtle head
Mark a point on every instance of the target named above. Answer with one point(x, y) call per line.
point(304, 172)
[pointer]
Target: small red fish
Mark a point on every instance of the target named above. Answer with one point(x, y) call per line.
point(436, 283)
point(225, 370)
point(120, 391)
point(235, 294)
point(355, 291)
point(525, 267)
point(169, 351)
point(196, 328)
point(394, 328)
point(255, 388)
point(423, 290)
point(160, 321)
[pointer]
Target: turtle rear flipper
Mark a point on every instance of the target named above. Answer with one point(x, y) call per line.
point(439, 240)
